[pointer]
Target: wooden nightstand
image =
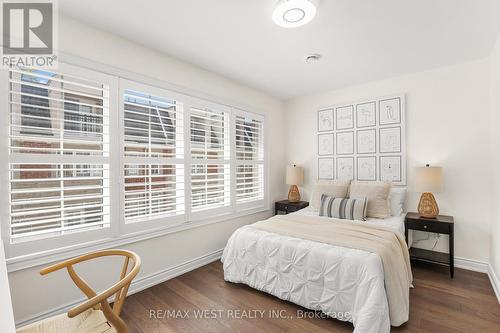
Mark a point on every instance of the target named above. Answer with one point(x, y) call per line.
point(286, 206)
point(443, 224)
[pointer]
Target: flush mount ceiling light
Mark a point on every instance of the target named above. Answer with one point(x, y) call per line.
point(313, 58)
point(293, 13)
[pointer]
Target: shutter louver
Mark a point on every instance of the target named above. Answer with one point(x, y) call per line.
point(60, 121)
point(153, 149)
point(210, 169)
point(249, 159)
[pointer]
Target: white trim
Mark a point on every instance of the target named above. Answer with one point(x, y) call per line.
point(46, 257)
point(136, 286)
point(471, 265)
point(495, 282)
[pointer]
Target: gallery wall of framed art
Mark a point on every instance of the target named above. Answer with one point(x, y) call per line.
point(363, 140)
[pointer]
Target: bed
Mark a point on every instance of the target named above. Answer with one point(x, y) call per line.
point(345, 283)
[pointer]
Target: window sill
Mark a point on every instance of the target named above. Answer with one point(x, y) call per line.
point(46, 257)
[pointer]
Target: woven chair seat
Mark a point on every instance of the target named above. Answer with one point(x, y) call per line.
point(90, 321)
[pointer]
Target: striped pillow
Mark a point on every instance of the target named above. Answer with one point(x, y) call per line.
point(343, 208)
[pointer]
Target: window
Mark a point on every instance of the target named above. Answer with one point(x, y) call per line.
point(58, 161)
point(153, 148)
point(210, 168)
point(249, 159)
point(94, 158)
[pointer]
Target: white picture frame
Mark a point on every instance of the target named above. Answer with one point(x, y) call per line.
point(325, 120)
point(344, 117)
point(366, 168)
point(390, 140)
point(391, 168)
point(366, 141)
point(345, 143)
point(366, 114)
point(345, 168)
point(325, 144)
point(326, 168)
point(389, 111)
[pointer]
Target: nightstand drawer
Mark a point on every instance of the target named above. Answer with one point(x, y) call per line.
point(430, 226)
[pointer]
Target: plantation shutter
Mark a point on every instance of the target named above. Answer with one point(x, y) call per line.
point(249, 158)
point(58, 154)
point(210, 168)
point(153, 156)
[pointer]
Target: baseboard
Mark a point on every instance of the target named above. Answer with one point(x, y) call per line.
point(136, 286)
point(472, 265)
point(495, 282)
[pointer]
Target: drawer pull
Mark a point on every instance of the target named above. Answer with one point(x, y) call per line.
point(425, 227)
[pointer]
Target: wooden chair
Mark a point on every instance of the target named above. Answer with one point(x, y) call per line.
point(95, 314)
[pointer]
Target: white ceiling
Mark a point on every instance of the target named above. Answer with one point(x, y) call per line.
point(360, 40)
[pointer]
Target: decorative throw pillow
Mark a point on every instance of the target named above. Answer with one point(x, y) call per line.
point(333, 188)
point(377, 194)
point(343, 208)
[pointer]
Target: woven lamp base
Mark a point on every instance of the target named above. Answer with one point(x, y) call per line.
point(427, 207)
point(294, 194)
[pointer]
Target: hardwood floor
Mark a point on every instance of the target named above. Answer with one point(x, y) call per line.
point(437, 304)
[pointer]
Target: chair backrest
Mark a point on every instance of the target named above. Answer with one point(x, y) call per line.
point(130, 269)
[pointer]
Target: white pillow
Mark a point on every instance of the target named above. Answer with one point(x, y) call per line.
point(397, 198)
point(333, 188)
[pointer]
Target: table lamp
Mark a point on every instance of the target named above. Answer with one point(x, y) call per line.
point(294, 177)
point(427, 180)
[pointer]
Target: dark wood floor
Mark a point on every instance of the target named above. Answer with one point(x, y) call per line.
point(437, 304)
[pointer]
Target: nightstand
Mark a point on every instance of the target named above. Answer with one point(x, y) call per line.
point(286, 206)
point(443, 224)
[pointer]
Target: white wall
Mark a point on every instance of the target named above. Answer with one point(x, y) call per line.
point(33, 294)
point(495, 153)
point(447, 125)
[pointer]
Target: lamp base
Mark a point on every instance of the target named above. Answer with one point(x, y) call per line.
point(294, 194)
point(427, 207)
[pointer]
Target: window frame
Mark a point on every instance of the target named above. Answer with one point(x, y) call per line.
point(156, 222)
point(190, 161)
point(119, 233)
point(27, 248)
point(237, 162)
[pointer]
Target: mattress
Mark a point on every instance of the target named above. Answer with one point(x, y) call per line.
point(346, 284)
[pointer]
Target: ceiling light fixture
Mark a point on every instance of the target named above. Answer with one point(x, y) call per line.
point(293, 13)
point(313, 58)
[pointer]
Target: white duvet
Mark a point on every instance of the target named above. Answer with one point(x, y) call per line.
point(344, 283)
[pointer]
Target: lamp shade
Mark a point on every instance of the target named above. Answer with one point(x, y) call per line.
point(294, 175)
point(429, 179)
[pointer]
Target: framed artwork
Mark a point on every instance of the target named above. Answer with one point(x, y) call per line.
point(345, 168)
point(390, 139)
point(325, 168)
point(366, 141)
point(325, 144)
point(390, 168)
point(365, 114)
point(345, 143)
point(389, 111)
point(344, 117)
point(325, 120)
point(367, 168)
point(363, 140)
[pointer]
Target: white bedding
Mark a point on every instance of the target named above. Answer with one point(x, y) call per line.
point(346, 284)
